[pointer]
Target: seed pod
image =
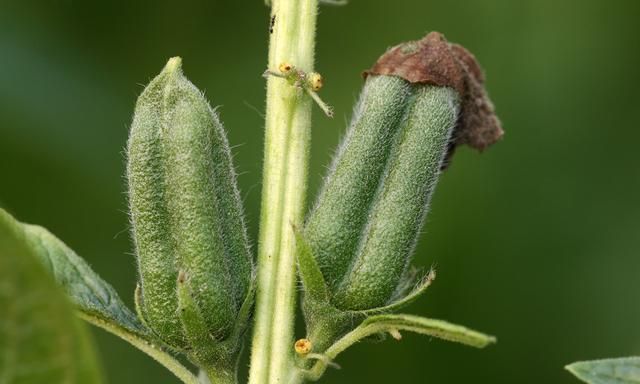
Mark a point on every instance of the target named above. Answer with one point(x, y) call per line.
point(396, 216)
point(365, 223)
point(186, 213)
point(335, 225)
point(370, 211)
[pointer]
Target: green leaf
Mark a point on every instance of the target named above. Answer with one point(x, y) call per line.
point(624, 370)
point(97, 302)
point(41, 340)
point(408, 298)
point(312, 279)
point(94, 298)
point(393, 324)
point(431, 327)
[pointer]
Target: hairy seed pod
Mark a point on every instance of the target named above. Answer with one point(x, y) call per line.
point(370, 211)
point(186, 213)
point(420, 100)
point(335, 225)
point(396, 216)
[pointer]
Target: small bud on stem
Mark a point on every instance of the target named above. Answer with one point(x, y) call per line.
point(310, 82)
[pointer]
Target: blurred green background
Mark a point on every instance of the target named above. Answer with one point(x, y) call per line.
point(537, 240)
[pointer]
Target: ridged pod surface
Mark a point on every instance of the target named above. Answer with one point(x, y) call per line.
point(396, 216)
point(186, 213)
point(335, 226)
point(370, 211)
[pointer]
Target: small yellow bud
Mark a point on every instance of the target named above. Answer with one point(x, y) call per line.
point(285, 68)
point(303, 346)
point(315, 81)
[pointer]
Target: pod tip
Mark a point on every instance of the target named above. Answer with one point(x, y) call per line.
point(174, 64)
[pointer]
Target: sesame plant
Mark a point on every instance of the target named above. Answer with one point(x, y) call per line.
point(203, 292)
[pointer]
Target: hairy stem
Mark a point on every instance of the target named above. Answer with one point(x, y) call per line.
point(288, 124)
point(393, 324)
point(153, 350)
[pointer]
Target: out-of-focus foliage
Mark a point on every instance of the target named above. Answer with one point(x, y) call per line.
point(41, 339)
point(536, 241)
point(624, 370)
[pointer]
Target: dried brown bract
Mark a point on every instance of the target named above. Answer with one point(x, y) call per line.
point(433, 60)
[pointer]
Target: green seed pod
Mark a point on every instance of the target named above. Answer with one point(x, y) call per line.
point(370, 211)
point(186, 214)
point(420, 100)
point(396, 216)
point(335, 225)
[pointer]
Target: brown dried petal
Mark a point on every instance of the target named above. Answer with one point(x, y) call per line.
point(435, 61)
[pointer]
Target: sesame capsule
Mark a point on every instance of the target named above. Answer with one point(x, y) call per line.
point(419, 101)
point(366, 221)
point(193, 256)
point(370, 211)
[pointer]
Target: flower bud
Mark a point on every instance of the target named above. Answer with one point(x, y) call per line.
point(193, 255)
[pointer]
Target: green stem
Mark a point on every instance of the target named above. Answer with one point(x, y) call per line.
point(153, 350)
point(288, 130)
point(393, 324)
